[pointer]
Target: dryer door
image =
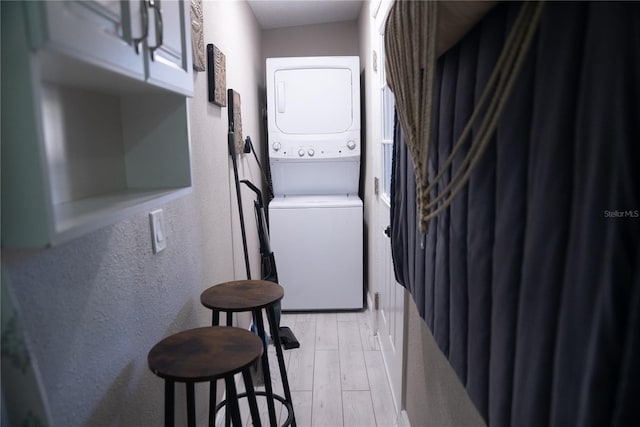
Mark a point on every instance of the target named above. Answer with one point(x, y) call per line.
point(313, 100)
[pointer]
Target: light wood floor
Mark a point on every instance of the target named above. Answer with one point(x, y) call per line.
point(337, 376)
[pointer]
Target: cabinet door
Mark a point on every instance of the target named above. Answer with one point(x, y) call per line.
point(169, 46)
point(98, 32)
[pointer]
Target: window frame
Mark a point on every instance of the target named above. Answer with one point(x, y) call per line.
point(386, 135)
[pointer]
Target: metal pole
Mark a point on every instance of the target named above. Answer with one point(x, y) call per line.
point(232, 152)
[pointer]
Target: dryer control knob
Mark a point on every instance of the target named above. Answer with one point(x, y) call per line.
point(301, 152)
point(311, 152)
point(276, 146)
point(351, 144)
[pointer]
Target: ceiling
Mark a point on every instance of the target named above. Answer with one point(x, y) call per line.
point(277, 13)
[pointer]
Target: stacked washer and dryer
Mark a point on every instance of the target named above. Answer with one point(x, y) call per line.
point(315, 218)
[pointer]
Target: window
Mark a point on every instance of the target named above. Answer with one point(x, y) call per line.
point(386, 140)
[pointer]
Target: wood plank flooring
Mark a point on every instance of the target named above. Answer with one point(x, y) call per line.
point(337, 376)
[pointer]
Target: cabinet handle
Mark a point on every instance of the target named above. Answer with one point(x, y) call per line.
point(155, 5)
point(145, 26)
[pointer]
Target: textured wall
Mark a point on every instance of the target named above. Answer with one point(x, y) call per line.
point(92, 308)
point(434, 394)
point(333, 39)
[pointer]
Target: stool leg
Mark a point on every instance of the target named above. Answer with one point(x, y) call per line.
point(275, 336)
point(191, 405)
point(169, 404)
point(229, 318)
point(257, 314)
point(212, 403)
point(215, 317)
point(227, 415)
point(232, 401)
point(227, 418)
point(251, 397)
point(215, 321)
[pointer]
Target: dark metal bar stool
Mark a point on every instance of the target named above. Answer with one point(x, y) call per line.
point(206, 354)
point(253, 296)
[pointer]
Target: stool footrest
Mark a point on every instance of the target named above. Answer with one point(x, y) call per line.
point(277, 397)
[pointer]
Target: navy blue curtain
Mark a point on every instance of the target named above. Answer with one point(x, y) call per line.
point(530, 280)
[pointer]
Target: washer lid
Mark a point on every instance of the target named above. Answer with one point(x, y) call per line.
point(302, 202)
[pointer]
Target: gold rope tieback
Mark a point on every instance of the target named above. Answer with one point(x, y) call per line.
point(410, 40)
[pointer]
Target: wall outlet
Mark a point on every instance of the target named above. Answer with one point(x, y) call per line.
point(158, 235)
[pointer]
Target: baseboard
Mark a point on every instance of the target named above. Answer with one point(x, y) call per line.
point(374, 314)
point(404, 419)
point(369, 301)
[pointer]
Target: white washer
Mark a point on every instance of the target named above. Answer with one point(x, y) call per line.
point(320, 237)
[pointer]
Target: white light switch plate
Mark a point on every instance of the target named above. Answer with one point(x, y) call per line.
point(158, 235)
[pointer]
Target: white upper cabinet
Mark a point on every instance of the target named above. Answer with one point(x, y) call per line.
point(98, 32)
point(168, 44)
point(147, 40)
point(95, 120)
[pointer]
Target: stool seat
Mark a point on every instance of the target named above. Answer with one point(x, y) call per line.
point(207, 354)
point(204, 354)
point(242, 295)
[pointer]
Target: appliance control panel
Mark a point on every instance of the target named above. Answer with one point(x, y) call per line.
point(285, 147)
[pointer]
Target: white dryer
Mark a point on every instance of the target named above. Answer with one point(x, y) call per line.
point(313, 111)
point(315, 219)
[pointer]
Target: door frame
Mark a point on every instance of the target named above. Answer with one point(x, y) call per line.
point(393, 346)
